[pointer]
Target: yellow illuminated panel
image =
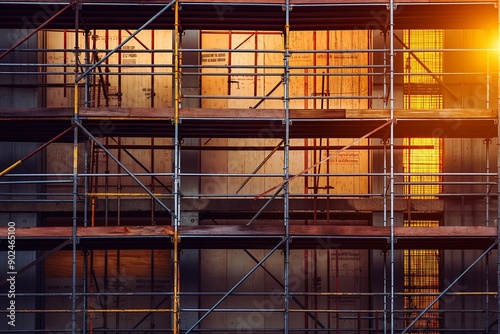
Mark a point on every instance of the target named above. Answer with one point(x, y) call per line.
point(424, 164)
point(421, 267)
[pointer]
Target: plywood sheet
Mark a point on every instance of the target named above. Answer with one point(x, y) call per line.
point(132, 263)
point(242, 84)
point(145, 90)
point(139, 86)
point(215, 79)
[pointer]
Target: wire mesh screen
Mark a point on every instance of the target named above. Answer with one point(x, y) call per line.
point(423, 164)
point(422, 69)
point(421, 284)
point(422, 91)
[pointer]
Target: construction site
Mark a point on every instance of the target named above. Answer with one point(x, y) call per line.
point(249, 166)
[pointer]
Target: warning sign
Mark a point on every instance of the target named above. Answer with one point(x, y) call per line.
point(346, 158)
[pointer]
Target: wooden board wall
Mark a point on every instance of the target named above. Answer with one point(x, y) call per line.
point(223, 268)
point(132, 263)
point(128, 271)
point(135, 91)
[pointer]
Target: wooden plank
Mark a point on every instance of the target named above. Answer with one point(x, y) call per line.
point(316, 1)
point(468, 113)
point(238, 230)
point(231, 206)
point(159, 2)
point(167, 113)
point(445, 231)
point(260, 237)
point(132, 263)
point(252, 2)
point(98, 231)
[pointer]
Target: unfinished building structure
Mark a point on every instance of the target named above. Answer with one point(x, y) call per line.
point(281, 166)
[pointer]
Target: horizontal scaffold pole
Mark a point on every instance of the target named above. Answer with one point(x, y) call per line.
point(17, 163)
point(119, 163)
point(33, 32)
point(144, 26)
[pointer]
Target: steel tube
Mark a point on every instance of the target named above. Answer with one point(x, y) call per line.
point(74, 238)
point(267, 148)
point(495, 244)
point(264, 207)
point(88, 134)
point(40, 27)
point(38, 260)
point(391, 167)
point(17, 163)
point(259, 166)
point(328, 158)
point(177, 168)
point(235, 286)
point(488, 188)
point(103, 59)
point(498, 174)
point(286, 171)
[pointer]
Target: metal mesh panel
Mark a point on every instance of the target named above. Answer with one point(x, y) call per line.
point(421, 267)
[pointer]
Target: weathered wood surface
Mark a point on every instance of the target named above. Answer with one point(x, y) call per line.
point(262, 237)
point(201, 113)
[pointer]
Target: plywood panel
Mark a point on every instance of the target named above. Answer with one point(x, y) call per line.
point(213, 270)
point(106, 89)
point(302, 81)
point(132, 263)
point(129, 91)
point(215, 162)
point(123, 320)
point(347, 162)
point(59, 160)
point(273, 76)
point(215, 81)
point(147, 90)
point(350, 274)
point(244, 161)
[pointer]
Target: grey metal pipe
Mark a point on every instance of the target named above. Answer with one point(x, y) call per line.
point(36, 182)
point(487, 298)
point(235, 286)
point(391, 171)
point(137, 161)
point(488, 187)
point(498, 181)
point(495, 244)
point(265, 206)
point(85, 223)
point(103, 59)
point(286, 171)
point(88, 134)
point(74, 237)
point(40, 27)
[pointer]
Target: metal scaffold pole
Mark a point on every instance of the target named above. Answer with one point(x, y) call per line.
point(176, 217)
point(286, 186)
point(498, 180)
point(75, 179)
point(391, 167)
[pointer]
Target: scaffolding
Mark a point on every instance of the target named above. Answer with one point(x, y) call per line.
point(171, 213)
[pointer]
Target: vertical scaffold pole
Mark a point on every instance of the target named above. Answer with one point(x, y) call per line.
point(75, 179)
point(176, 218)
point(86, 185)
point(85, 224)
point(286, 149)
point(498, 178)
point(391, 148)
